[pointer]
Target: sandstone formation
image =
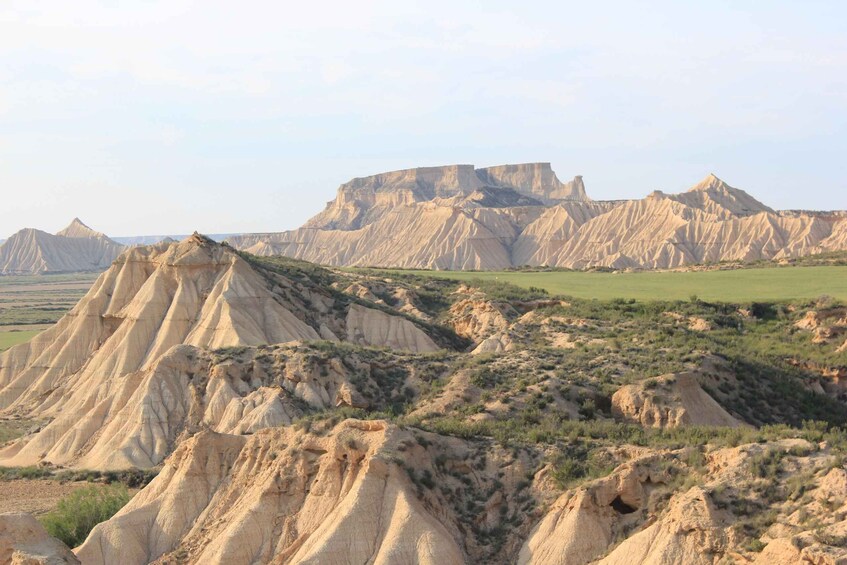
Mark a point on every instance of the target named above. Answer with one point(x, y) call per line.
point(697, 524)
point(477, 318)
point(297, 414)
point(367, 326)
point(583, 522)
point(827, 324)
point(363, 200)
point(458, 217)
point(669, 401)
point(126, 372)
point(77, 248)
point(368, 491)
point(345, 495)
point(23, 541)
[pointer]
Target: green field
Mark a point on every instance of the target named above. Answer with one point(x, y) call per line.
point(31, 304)
point(738, 285)
point(8, 339)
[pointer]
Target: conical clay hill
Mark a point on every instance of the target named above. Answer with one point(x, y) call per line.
point(115, 376)
point(76, 248)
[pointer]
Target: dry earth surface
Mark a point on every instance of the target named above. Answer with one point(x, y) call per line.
point(36, 496)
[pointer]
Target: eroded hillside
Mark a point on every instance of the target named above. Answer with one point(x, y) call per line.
point(459, 218)
point(297, 414)
point(111, 377)
point(76, 248)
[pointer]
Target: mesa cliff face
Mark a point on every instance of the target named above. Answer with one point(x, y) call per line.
point(364, 200)
point(77, 248)
point(458, 217)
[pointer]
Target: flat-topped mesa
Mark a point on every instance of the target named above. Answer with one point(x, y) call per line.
point(364, 200)
point(425, 182)
point(534, 179)
point(515, 215)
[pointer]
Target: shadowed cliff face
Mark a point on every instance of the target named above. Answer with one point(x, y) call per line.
point(534, 179)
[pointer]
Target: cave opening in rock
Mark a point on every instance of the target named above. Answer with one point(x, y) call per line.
point(621, 507)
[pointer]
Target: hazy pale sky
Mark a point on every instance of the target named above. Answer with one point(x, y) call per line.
point(165, 117)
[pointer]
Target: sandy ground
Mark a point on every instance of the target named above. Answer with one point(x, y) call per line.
point(36, 496)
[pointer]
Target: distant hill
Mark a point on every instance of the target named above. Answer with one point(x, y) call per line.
point(458, 217)
point(153, 239)
point(77, 248)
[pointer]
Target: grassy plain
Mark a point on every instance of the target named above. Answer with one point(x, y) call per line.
point(30, 304)
point(10, 338)
point(736, 285)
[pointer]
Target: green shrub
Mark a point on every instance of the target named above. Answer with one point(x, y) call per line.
point(11, 473)
point(766, 465)
point(756, 545)
point(78, 513)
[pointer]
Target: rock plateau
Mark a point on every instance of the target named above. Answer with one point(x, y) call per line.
point(458, 217)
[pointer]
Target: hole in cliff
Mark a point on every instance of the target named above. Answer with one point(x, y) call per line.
point(621, 507)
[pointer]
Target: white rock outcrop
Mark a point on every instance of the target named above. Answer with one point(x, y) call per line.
point(670, 401)
point(23, 541)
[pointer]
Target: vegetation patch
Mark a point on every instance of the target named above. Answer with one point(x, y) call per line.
point(733, 285)
point(132, 478)
point(78, 513)
point(10, 338)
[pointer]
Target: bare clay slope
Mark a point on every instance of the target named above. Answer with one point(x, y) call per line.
point(358, 493)
point(355, 492)
point(458, 217)
point(283, 495)
point(77, 248)
point(111, 376)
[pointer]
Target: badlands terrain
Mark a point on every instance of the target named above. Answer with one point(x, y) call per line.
point(274, 411)
point(77, 248)
point(458, 217)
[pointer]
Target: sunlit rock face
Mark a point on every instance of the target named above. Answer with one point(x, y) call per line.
point(458, 217)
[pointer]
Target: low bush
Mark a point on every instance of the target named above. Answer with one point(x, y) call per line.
point(78, 513)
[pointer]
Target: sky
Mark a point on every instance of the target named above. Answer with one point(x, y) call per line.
point(157, 117)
